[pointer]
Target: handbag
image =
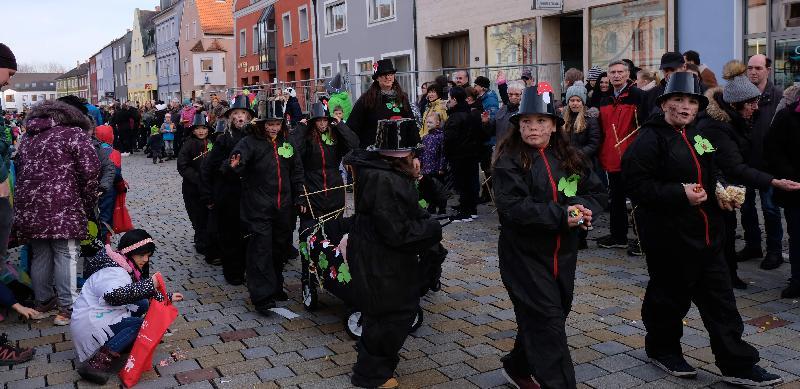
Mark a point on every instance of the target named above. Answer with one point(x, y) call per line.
point(121, 219)
point(159, 317)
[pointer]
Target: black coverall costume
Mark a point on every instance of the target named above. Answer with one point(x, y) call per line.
point(190, 162)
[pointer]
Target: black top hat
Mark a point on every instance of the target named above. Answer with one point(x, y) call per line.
point(272, 113)
point(683, 83)
point(220, 125)
point(334, 85)
point(318, 112)
point(396, 135)
point(384, 66)
point(241, 102)
point(537, 99)
point(198, 121)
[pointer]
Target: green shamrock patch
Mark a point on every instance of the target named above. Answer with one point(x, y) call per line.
point(394, 106)
point(326, 137)
point(569, 185)
point(286, 151)
point(702, 145)
point(209, 146)
point(304, 249)
point(323, 260)
point(344, 273)
point(423, 204)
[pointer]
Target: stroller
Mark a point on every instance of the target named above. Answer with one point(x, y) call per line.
point(324, 265)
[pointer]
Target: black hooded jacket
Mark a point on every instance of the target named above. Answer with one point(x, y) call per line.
point(729, 133)
point(321, 164)
point(364, 120)
point(780, 151)
point(389, 230)
point(463, 133)
point(655, 167)
point(221, 185)
point(190, 161)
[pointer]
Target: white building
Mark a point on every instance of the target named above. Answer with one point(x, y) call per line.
point(26, 89)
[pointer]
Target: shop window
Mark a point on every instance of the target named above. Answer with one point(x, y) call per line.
point(513, 43)
point(365, 67)
point(632, 29)
point(786, 64)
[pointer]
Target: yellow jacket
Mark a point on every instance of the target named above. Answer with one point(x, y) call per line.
point(437, 106)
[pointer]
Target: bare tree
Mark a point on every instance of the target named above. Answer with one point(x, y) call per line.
point(41, 67)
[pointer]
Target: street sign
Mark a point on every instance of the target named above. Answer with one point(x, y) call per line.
point(548, 5)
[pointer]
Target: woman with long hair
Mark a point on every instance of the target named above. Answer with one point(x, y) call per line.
point(545, 193)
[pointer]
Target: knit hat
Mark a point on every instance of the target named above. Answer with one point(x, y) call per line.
point(483, 82)
point(576, 89)
point(739, 88)
point(594, 73)
point(7, 59)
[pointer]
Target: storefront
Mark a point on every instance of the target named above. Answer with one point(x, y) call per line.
point(636, 30)
point(772, 27)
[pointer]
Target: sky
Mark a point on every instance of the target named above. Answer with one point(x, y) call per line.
point(65, 31)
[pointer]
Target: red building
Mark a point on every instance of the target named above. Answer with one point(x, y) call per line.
point(295, 39)
point(93, 80)
point(254, 28)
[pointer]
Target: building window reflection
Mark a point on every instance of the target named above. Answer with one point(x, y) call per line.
point(634, 30)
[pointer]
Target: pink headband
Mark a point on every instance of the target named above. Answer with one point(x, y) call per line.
point(135, 246)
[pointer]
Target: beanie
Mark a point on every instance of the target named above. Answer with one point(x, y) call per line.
point(576, 90)
point(739, 89)
point(7, 59)
point(483, 82)
point(594, 73)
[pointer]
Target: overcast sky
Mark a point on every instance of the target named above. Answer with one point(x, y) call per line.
point(64, 31)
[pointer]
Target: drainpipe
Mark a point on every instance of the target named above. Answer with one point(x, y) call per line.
point(316, 40)
point(180, 76)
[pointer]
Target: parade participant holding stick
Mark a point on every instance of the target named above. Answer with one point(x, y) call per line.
point(389, 229)
point(223, 190)
point(272, 180)
point(670, 174)
point(321, 143)
point(545, 193)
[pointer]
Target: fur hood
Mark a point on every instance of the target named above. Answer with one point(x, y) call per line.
point(62, 114)
point(714, 110)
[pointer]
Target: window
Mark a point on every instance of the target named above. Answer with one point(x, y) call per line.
point(455, 51)
point(326, 71)
point(380, 10)
point(255, 39)
point(628, 30)
point(33, 85)
point(34, 97)
point(335, 17)
point(513, 44)
point(365, 67)
point(287, 28)
point(302, 16)
point(611, 42)
point(194, 29)
point(185, 66)
point(206, 65)
point(52, 96)
point(344, 68)
point(147, 68)
point(242, 43)
point(9, 98)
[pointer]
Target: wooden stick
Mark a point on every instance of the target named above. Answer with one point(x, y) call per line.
point(201, 154)
point(308, 201)
point(325, 190)
point(626, 137)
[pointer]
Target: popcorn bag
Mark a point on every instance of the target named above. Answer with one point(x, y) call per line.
point(159, 317)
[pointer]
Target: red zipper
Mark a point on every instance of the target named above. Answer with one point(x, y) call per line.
point(555, 200)
point(324, 174)
point(699, 181)
point(278, 161)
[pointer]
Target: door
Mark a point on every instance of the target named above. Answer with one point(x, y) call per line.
point(455, 52)
point(572, 40)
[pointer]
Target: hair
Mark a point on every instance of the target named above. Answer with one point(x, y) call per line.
point(580, 119)
point(648, 75)
point(312, 134)
point(516, 84)
point(623, 63)
point(337, 108)
point(433, 87)
point(436, 115)
point(135, 236)
point(372, 97)
point(732, 69)
point(692, 56)
point(512, 144)
point(471, 92)
point(403, 165)
point(572, 75)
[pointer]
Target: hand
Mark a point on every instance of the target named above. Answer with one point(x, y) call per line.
point(304, 121)
point(501, 77)
point(235, 159)
point(587, 216)
point(24, 311)
point(695, 193)
point(573, 221)
point(786, 185)
point(485, 117)
point(155, 278)
point(417, 166)
point(176, 297)
point(726, 205)
point(303, 209)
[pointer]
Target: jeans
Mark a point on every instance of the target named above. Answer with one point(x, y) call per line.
point(126, 330)
point(793, 228)
point(772, 221)
point(55, 260)
point(168, 149)
point(619, 208)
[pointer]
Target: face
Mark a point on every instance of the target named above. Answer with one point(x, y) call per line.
point(432, 95)
point(749, 109)
point(470, 100)
point(200, 132)
point(240, 117)
point(680, 111)
point(167, 118)
point(321, 125)
point(575, 103)
point(273, 128)
point(451, 102)
point(536, 130)
point(481, 90)
point(141, 259)
point(338, 114)
point(604, 84)
point(432, 121)
point(514, 96)
point(641, 82)
point(386, 81)
point(618, 75)
point(461, 78)
point(757, 70)
point(5, 76)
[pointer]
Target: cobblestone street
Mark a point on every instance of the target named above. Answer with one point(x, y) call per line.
point(219, 341)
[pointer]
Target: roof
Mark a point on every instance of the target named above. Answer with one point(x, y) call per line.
point(216, 16)
point(30, 82)
point(82, 69)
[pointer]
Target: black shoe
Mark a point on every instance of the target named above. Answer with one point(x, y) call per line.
point(461, 218)
point(675, 365)
point(772, 261)
point(608, 242)
point(791, 292)
point(748, 253)
point(264, 308)
point(582, 245)
point(213, 261)
point(635, 249)
point(280, 296)
point(755, 378)
point(235, 281)
point(737, 282)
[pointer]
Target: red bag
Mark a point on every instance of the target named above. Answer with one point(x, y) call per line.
point(121, 218)
point(159, 317)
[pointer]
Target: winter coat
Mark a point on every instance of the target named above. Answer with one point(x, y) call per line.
point(655, 167)
point(501, 123)
point(187, 115)
point(363, 120)
point(389, 230)
point(432, 159)
point(122, 119)
point(57, 174)
point(190, 161)
point(587, 141)
point(107, 297)
point(220, 184)
point(490, 102)
point(761, 121)
point(534, 232)
point(272, 178)
point(619, 116)
point(463, 134)
point(729, 133)
point(780, 149)
point(708, 77)
point(108, 172)
point(321, 161)
point(437, 106)
point(95, 114)
point(155, 143)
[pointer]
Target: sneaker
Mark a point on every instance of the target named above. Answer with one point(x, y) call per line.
point(63, 318)
point(772, 261)
point(791, 292)
point(635, 249)
point(520, 382)
point(461, 218)
point(755, 378)
point(608, 242)
point(675, 365)
point(748, 253)
point(125, 154)
point(45, 309)
point(391, 383)
point(10, 355)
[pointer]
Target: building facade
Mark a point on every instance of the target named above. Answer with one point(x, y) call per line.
point(206, 48)
point(27, 89)
point(295, 40)
point(770, 27)
point(142, 81)
point(255, 53)
point(343, 26)
point(74, 82)
point(93, 79)
point(121, 55)
point(105, 76)
point(168, 24)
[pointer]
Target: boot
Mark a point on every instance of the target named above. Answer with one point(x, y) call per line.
point(98, 369)
point(10, 355)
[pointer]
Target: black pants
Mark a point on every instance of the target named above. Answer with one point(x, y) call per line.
point(198, 215)
point(227, 227)
point(125, 145)
point(267, 250)
point(381, 339)
point(465, 172)
point(729, 244)
point(619, 209)
point(700, 277)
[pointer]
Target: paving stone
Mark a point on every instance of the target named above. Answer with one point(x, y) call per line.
point(258, 352)
point(489, 379)
point(610, 348)
point(617, 362)
point(314, 353)
point(275, 373)
point(191, 376)
point(618, 380)
point(238, 335)
point(586, 371)
point(177, 367)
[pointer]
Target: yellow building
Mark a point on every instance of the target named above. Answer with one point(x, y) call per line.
point(142, 79)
